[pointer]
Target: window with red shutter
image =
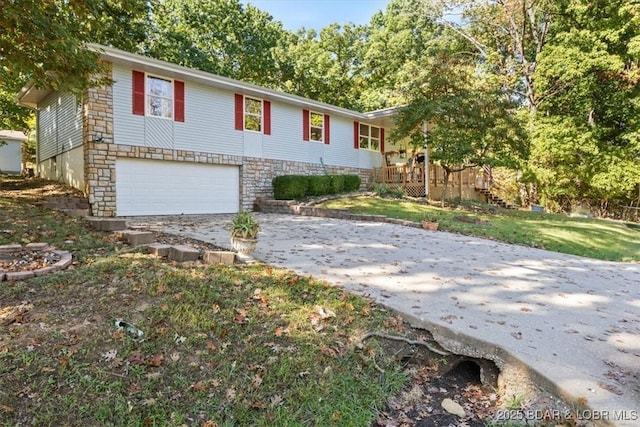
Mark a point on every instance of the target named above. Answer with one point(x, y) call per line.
point(305, 125)
point(239, 111)
point(178, 89)
point(138, 93)
point(368, 137)
point(252, 114)
point(327, 130)
point(266, 106)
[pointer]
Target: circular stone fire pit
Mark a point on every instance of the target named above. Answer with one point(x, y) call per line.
point(19, 262)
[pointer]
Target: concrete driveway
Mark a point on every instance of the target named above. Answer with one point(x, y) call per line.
point(575, 322)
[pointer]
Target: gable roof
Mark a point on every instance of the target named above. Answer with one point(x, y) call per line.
point(31, 96)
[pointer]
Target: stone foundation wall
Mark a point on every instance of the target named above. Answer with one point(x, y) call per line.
point(257, 175)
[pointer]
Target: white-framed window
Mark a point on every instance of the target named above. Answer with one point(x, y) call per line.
point(159, 97)
point(252, 114)
point(316, 126)
point(369, 137)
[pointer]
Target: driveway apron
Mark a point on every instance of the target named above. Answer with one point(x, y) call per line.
point(575, 322)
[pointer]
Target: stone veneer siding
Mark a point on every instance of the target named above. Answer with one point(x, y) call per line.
point(256, 174)
point(101, 152)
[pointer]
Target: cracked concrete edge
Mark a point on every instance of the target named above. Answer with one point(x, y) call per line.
point(518, 377)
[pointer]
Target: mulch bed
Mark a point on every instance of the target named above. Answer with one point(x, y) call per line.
point(28, 260)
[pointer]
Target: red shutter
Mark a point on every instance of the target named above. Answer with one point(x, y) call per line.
point(382, 140)
point(266, 105)
point(356, 135)
point(305, 125)
point(138, 93)
point(239, 112)
point(327, 129)
point(178, 93)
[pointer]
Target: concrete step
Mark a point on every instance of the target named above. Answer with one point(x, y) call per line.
point(159, 249)
point(183, 253)
point(137, 238)
point(219, 257)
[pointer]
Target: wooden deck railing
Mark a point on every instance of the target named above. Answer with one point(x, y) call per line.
point(411, 178)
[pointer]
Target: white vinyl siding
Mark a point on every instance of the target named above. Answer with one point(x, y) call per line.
point(59, 125)
point(209, 128)
point(11, 156)
point(209, 125)
point(285, 141)
point(128, 128)
point(341, 152)
point(159, 133)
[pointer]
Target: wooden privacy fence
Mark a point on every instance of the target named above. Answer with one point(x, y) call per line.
point(411, 178)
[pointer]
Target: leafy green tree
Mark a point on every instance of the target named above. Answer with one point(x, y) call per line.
point(586, 140)
point(472, 120)
point(221, 37)
point(396, 43)
point(326, 66)
point(13, 116)
point(44, 40)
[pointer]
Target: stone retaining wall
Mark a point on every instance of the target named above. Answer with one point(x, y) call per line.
point(293, 207)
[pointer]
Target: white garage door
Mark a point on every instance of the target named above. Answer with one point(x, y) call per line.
point(157, 187)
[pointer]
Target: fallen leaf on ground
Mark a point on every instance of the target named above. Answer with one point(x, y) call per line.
point(155, 360)
point(110, 355)
point(324, 313)
point(256, 382)
point(199, 386)
point(276, 400)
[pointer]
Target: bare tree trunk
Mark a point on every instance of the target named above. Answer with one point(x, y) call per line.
point(443, 196)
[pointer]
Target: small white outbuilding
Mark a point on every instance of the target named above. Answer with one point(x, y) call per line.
point(11, 151)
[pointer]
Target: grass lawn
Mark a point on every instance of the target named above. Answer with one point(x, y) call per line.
point(222, 346)
point(593, 238)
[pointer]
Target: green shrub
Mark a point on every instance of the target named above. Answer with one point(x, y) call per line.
point(296, 187)
point(385, 191)
point(337, 184)
point(351, 183)
point(319, 185)
point(290, 187)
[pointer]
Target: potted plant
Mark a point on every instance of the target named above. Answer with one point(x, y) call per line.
point(430, 222)
point(244, 233)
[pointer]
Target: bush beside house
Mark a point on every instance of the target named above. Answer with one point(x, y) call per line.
point(295, 187)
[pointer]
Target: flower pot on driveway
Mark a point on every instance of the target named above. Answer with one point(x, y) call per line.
point(244, 246)
point(428, 225)
point(244, 233)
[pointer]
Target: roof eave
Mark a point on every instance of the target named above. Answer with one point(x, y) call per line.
point(30, 96)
